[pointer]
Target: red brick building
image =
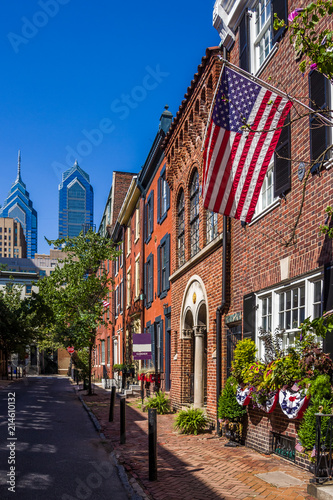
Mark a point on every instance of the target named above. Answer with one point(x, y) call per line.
point(196, 263)
point(280, 264)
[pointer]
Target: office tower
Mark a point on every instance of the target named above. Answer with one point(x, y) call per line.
point(76, 202)
point(18, 206)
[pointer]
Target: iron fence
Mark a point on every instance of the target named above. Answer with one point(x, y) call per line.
point(322, 468)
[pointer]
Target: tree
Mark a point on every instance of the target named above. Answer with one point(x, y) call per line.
point(16, 330)
point(74, 292)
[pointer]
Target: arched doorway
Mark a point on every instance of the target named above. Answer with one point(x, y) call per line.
point(194, 336)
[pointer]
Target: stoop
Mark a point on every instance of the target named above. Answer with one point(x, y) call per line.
point(321, 492)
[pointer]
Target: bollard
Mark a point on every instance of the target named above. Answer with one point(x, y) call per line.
point(122, 420)
point(152, 443)
point(112, 400)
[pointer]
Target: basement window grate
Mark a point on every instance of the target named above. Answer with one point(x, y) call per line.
point(284, 446)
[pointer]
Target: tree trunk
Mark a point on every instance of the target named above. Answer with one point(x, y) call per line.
point(90, 363)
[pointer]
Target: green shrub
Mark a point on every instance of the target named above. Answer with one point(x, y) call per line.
point(228, 408)
point(191, 421)
point(307, 429)
point(160, 402)
point(244, 356)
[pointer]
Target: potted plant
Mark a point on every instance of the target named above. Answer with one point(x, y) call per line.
point(231, 413)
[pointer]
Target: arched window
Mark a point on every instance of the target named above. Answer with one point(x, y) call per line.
point(181, 229)
point(194, 213)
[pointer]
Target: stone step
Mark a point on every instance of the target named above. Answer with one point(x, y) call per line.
point(322, 492)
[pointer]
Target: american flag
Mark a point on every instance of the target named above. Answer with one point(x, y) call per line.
point(240, 142)
point(105, 303)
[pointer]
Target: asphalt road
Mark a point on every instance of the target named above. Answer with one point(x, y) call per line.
point(52, 450)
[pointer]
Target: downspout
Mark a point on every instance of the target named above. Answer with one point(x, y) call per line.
point(142, 256)
point(219, 313)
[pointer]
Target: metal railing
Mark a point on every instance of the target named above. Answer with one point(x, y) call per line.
point(323, 464)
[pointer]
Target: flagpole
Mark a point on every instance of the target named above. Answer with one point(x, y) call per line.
point(275, 89)
point(211, 107)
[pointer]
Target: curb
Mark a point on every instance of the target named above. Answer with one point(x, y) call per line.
point(132, 487)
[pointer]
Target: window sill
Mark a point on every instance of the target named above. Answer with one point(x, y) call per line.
point(267, 210)
point(136, 239)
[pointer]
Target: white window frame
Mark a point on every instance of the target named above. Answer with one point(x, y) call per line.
point(137, 276)
point(288, 335)
point(129, 239)
point(128, 288)
point(137, 223)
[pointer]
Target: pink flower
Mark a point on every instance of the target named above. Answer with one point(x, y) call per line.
point(313, 66)
point(294, 14)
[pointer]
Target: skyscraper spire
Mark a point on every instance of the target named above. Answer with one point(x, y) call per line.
point(19, 165)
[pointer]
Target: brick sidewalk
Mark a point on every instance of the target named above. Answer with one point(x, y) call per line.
point(191, 467)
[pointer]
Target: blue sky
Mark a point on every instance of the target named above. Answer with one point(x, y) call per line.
point(89, 80)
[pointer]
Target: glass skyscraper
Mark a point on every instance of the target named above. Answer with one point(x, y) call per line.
point(18, 206)
point(76, 202)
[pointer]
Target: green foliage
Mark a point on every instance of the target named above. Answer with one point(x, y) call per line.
point(314, 44)
point(244, 356)
point(81, 361)
point(307, 430)
point(320, 387)
point(191, 421)
point(118, 367)
point(160, 402)
point(16, 326)
point(74, 292)
point(228, 408)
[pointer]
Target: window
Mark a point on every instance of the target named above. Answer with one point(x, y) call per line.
point(211, 226)
point(137, 276)
point(156, 332)
point(194, 213)
point(181, 229)
point(137, 222)
point(129, 238)
point(108, 351)
point(28, 289)
point(285, 308)
point(163, 266)
point(103, 352)
point(149, 217)
point(257, 37)
point(128, 293)
point(163, 197)
point(116, 298)
point(121, 296)
point(121, 249)
point(149, 280)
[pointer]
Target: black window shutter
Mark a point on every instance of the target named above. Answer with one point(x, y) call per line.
point(159, 183)
point(152, 333)
point(152, 212)
point(158, 270)
point(146, 282)
point(168, 195)
point(161, 346)
point(328, 304)
point(280, 8)
point(146, 221)
point(243, 43)
point(282, 162)
point(249, 316)
point(167, 261)
point(318, 101)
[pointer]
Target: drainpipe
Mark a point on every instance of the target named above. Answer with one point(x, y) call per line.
point(219, 313)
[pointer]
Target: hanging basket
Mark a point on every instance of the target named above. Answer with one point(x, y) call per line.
point(270, 404)
point(243, 395)
point(294, 403)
